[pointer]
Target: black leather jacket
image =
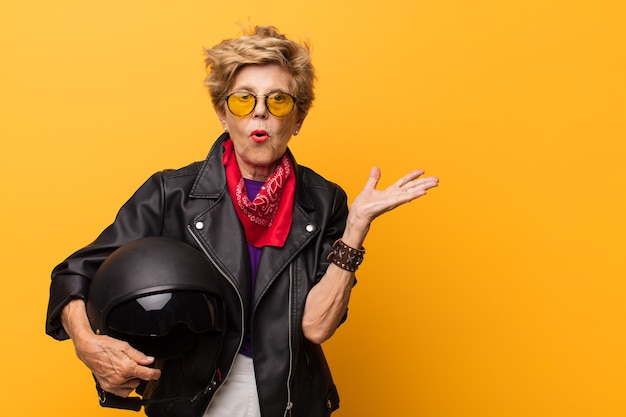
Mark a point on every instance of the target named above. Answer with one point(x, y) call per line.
point(193, 205)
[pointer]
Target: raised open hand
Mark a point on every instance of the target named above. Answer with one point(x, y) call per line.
point(371, 203)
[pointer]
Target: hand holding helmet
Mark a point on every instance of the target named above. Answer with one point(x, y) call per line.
point(118, 367)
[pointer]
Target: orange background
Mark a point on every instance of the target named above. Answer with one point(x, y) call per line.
point(500, 294)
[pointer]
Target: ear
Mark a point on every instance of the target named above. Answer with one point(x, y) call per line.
point(299, 122)
point(221, 115)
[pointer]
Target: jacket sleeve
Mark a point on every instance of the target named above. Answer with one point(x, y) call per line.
point(141, 216)
point(334, 227)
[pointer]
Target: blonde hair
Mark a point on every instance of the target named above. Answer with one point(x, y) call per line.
point(259, 46)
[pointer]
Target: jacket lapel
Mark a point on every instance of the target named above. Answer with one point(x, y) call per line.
point(274, 260)
point(218, 227)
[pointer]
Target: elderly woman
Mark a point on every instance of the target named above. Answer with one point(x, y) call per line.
point(285, 243)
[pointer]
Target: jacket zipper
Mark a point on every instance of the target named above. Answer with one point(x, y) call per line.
point(221, 271)
point(289, 405)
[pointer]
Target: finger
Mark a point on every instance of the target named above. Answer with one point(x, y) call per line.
point(421, 182)
point(147, 374)
point(138, 356)
point(426, 182)
point(122, 390)
point(419, 190)
point(373, 179)
point(140, 370)
point(405, 179)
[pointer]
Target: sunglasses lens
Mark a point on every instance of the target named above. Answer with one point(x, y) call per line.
point(241, 104)
point(280, 104)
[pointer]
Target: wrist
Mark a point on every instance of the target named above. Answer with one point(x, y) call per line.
point(345, 256)
point(74, 319)
point(354, 236)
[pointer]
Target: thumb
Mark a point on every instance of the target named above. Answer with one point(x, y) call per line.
point(374, 177)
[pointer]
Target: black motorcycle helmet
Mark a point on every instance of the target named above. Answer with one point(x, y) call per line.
point(163, 297)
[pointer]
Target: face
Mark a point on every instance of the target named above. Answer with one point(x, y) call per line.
point(260, 138)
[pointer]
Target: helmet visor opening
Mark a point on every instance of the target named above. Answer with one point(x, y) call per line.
point(156, 315)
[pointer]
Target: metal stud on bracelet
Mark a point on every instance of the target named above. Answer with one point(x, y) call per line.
point(346, 257)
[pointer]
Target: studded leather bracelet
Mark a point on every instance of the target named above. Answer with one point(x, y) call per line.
point(346, 257)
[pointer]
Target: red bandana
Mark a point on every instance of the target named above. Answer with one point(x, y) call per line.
point(267, 219)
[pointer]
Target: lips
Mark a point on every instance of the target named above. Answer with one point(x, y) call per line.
point(259, 136)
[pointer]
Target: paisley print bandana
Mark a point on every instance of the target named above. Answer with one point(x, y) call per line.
point(267, 219)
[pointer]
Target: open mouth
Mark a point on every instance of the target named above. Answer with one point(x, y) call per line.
point(259, 135)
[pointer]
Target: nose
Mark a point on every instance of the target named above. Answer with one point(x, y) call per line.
point(260, 109)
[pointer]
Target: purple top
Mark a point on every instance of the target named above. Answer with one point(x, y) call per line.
point(252, 189)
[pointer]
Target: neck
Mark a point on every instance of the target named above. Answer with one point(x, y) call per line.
point(256, 173)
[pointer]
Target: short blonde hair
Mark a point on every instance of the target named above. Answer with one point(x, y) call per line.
point(262, 45)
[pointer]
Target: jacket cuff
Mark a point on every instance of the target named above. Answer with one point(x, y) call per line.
point(70, 288)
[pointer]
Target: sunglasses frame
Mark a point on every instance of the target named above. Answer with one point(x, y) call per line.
point(266, 96)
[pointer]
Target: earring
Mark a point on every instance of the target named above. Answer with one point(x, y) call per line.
point(296, 133)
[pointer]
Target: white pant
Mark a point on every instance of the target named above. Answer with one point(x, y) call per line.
point(237, 397)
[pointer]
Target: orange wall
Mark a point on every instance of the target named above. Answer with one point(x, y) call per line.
point(501, 294)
